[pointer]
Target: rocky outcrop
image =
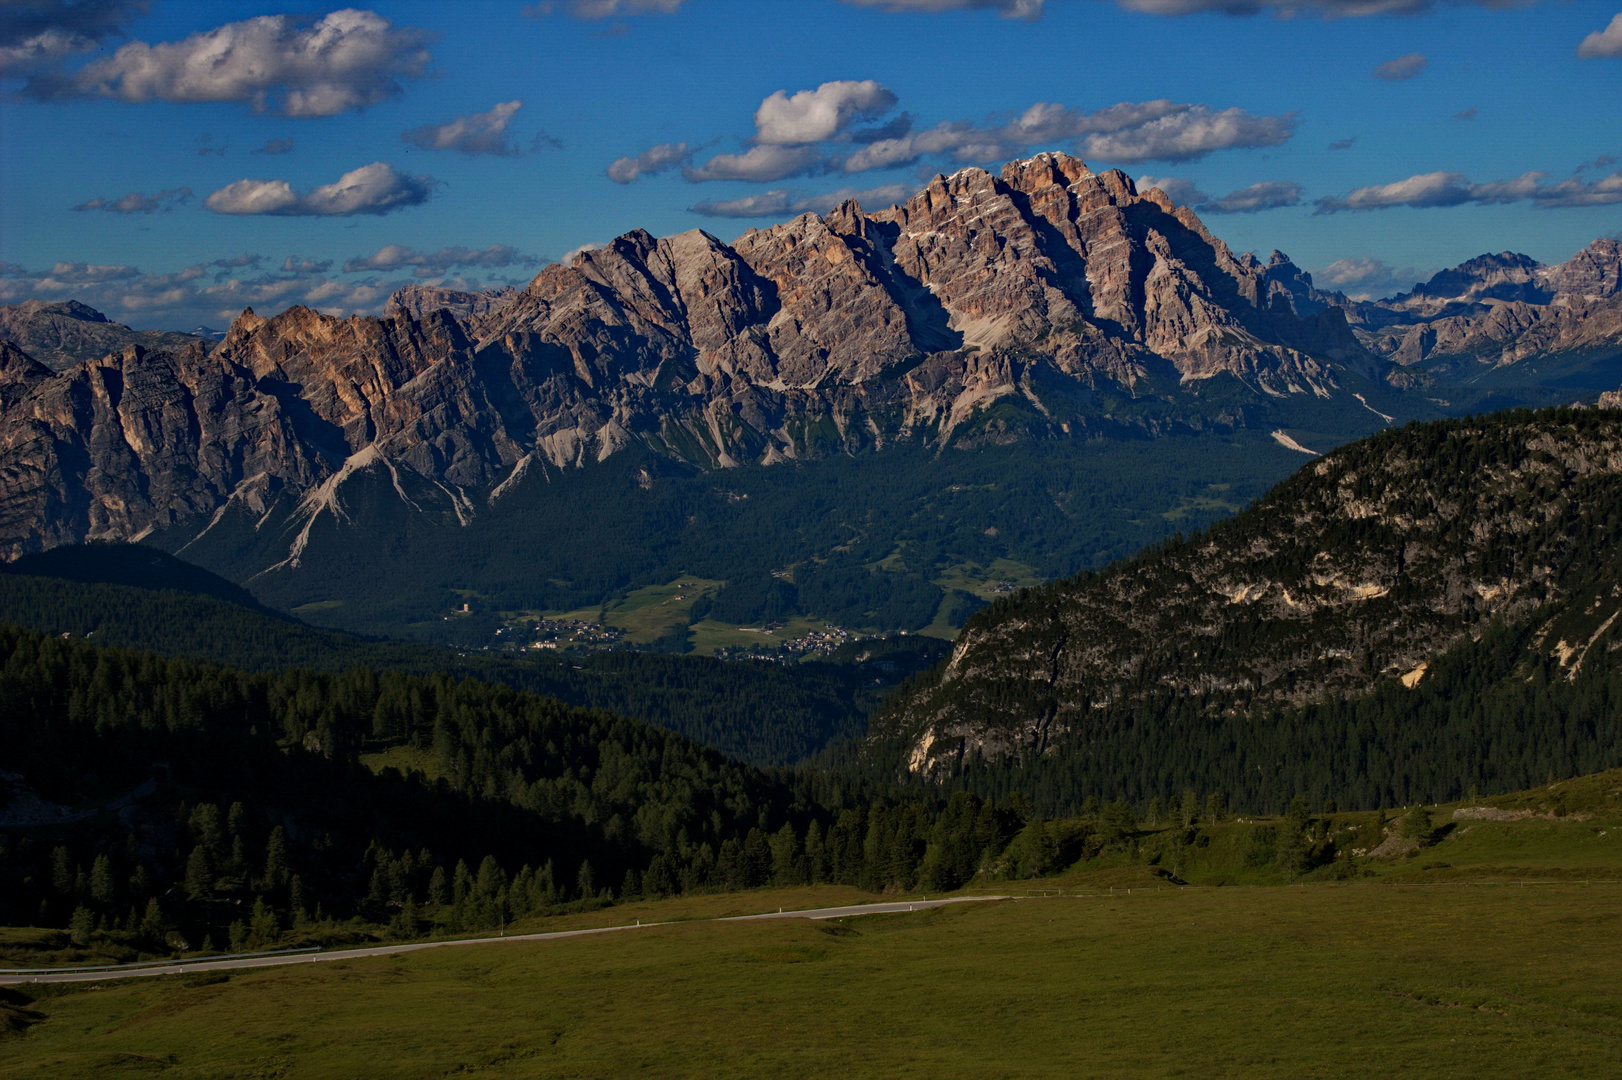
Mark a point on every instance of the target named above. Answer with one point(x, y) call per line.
point(60, 335)
point(420, 300)
point(1365, 566)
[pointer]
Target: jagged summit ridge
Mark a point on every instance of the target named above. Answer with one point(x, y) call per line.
point(1047, 287)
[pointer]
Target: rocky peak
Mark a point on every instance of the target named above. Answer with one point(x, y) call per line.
point(1594, 273)
point(60, 334)
point(419, 300)
point(18, 368)
point(68, 309)
point(1505, 277)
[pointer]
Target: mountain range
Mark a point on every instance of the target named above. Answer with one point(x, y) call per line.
point(1046, 303)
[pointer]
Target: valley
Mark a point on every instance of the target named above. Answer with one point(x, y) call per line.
point(1226, 638)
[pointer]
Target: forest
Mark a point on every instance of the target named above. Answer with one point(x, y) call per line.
point(236, 806)
point(764, 713)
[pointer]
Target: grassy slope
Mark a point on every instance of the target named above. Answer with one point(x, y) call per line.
point(1404, 973)
point(1330, 982)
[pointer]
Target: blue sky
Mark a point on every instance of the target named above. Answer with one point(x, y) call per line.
point(173, 162)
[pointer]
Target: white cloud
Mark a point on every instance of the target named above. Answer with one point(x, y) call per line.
point(1437, 189)
point(294, 265)
point(789, 130)
point(40, 34)
point(434, 263)
point(779, 203)
point(1603, 43)
point(1267, 195)
point(1189, 134)
point(761, 164)
point(604, 9)
point(1290, 9)
point(818, 115)
point(774, 203)
point(1031, 10)
point(371, 189)
point(216, 292)
point(138, 203)
point(1366, 278)
point(71, 273)
point(1179, 190)
point(569, 256)
point(480, 133)
point(348, 59)
point(649, 162)
point(1403, 67)
point(1158, 130)
point(1008, 9)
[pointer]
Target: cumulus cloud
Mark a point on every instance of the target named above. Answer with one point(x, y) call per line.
point(603, 9)
point(761, 164)
point(1158, 130)
point(814, 131)
point(1290, 9)
point(649, 162)
point(1009, 9)
point(1603, 43)
point(139, 203)
point(216, 292)
point(295, 265)
point(821, 114)
point(1031, 10)
point(1403, 67)
point(1366, 278)
point(275, 146)
point(371, 189)
point(779, 203)
point(1178, 189)
point(786, 129)
point(434, 263)
point(1439, 189)
point(36, 35)
point(348, 59)
point(1189, 134)
point(480, 133)
point(1267, 195)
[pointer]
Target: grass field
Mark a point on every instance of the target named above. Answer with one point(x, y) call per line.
point(1493, 952)
point(649, 613)
point(1353, 981)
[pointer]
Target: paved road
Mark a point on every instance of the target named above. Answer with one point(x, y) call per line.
point(67, 975)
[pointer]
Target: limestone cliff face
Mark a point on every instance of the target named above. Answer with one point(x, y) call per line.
point(116, 447)
point(1367, 565)
point(1043, 286)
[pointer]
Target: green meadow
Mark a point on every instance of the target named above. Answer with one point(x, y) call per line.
point(1327, 981)
point(1491, 950)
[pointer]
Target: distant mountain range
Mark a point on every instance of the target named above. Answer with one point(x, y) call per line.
point(1048, 302)
point(66, 334)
